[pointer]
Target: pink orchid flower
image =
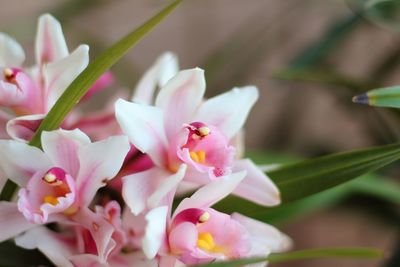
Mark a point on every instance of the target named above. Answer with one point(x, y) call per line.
point(31, 92)
point(76, 247)
point(61, 182)
point(197, 233)
point(191, 141)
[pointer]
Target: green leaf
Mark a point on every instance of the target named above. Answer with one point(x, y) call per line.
point(77, 89)
point(323, 253)
point(378, 186)
point(308, 177)
point(382, 97)
point(96, 68)
point(319, 50)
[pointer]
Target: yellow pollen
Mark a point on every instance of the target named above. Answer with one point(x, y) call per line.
point(7, 72)
point(50, 200)
point(204, 131)
point(199, 156)
point(50, 178)
point(204, 217)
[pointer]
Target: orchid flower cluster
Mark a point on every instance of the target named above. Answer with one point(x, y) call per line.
point(134, 185)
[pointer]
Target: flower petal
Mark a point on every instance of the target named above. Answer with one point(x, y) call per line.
point(62, 148)
point(60, 74)
point(144, 125)
point(229, 110)
point(11, 52)
point(50, 42)
point(165, 67)
point(256, 186)
point(53, 247)
point(4, 118)
point(99, 162)
point(213, 192)
point(180, 98)
point(265, 238)
point(150, 188)
point(155, 231)
point(100, 229)
point(16, 161)
point(12, 222)
point(23, 128)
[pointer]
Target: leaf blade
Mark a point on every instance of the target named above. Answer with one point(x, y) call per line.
point(324, 253)
point(82, 83)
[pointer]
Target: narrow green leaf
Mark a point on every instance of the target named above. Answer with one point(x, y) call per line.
point(77, 89)
point(308, 177)
point(323, 253)
point(379, 187)
point(318, 51)
point(382, 97)
point(96, 68)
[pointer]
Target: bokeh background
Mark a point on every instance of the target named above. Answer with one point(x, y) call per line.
point(308, 58)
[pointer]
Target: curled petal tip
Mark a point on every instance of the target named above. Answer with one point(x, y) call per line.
point(361, 99)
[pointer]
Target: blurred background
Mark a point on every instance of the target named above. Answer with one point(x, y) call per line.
point(308, 58)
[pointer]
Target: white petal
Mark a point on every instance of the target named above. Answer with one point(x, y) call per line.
point(3, 180)
point(12, 222)
point(99, 162)
point(166, 187)
point(150, 188)
point(62, 147)
point(46, 241)
point(264, 238)
point(23, 128)
point(213, 192)
point(165, 67)
point(229, 110)
point(20, 161)
point(256, 186)
point(11, 52)
point(144, 125)
point(60, 74)
point(50, 41)
point(180, 98)
point(155, 231)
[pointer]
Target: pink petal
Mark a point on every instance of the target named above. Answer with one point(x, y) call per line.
point(264, 238)
point(180, 98)
point(213, 192)
point(256, 186)
point(100, 229)
point(50, 42)
point(12, 222)
point(183, 238)
point(54, 248)
point(159, 74)
point(155, 231)
point(11, 52)
point(24, 128)
point(16, 161)
point(229, 110)
point(4, 118)
point(150, 188)
point(59, 75)
point(144, 125)
point(99, 162)
point(62, 148)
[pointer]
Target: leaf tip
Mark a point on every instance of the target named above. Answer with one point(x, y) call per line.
point(361, 99)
